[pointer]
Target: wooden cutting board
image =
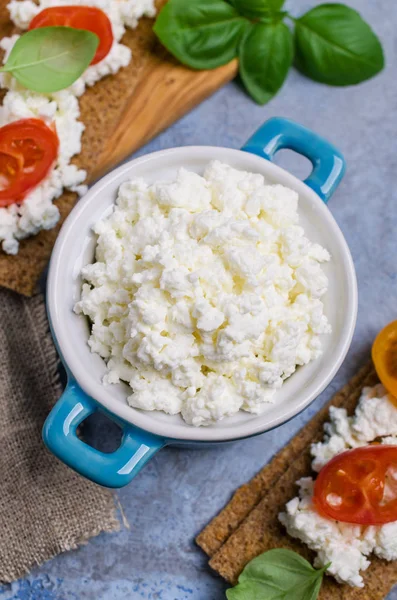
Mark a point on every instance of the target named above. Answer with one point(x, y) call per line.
point(165, 92)
point(121, 114)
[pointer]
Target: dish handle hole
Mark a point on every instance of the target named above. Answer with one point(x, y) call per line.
point(295, 163)
point(101, 433)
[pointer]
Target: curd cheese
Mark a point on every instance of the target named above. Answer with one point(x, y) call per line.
point(205, 294)
point(37, 211)
point(121, 13)
point(346, 546)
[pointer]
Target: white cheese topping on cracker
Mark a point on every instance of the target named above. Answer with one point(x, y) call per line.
point(37, 211)
point(121, 13)
point(346, 546)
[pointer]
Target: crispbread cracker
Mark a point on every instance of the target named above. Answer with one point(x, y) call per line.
point(248, 495)
point(6, 26)
point(261, 530)
point(101, 109)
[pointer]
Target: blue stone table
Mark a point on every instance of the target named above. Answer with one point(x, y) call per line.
point(181, 490)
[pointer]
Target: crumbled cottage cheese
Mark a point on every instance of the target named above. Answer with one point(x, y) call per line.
point(121, 13)
point(375, 417)
point(37, 211)
point(346, 546)
point(205, 294)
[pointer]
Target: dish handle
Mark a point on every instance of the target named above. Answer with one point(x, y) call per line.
point(279, 133)
point(113, 470)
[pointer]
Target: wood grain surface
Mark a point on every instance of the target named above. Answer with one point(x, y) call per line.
point(121, 113)
point(166, 91)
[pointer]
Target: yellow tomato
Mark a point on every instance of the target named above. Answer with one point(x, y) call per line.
point(384, 355)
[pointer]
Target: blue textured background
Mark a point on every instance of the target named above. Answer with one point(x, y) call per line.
point(181, 490)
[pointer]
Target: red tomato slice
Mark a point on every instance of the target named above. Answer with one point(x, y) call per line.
point(359, 486)
point(28, 149)
point(79, 17)
point(384, 355)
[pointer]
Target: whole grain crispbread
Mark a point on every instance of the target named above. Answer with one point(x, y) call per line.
point(254, 527)
point(101, 109)
point(248, 495)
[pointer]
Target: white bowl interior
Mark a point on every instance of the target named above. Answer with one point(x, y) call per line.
point(75, 248)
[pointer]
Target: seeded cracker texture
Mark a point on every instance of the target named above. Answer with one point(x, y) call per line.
point(241, 532)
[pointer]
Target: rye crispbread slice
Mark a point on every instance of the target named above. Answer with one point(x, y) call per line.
point(101, 108)
point(248, 495)
point(249, 525)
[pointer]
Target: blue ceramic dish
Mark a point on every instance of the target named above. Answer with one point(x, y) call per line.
point(147, 432)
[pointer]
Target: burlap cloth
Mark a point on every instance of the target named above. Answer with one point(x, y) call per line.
point(45, 508)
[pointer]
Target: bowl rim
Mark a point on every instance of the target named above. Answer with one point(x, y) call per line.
point(133, 416)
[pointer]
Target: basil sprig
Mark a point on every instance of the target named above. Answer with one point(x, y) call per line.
point(335, 46)
point(202, 35)
point(255, 9)
point(331, 42)
point(278, 575)
point(49, 59)
point(266, 55)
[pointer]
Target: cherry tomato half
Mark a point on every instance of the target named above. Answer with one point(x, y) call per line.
point(28, 149)
point(359, 486)
point(384, 355)
point(79, 17)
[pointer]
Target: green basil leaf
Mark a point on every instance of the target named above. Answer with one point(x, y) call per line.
point(255, 9)
point(49, 59)
point(203, 34)
point(266, 54)
point(278, 575)
point(335, 45)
